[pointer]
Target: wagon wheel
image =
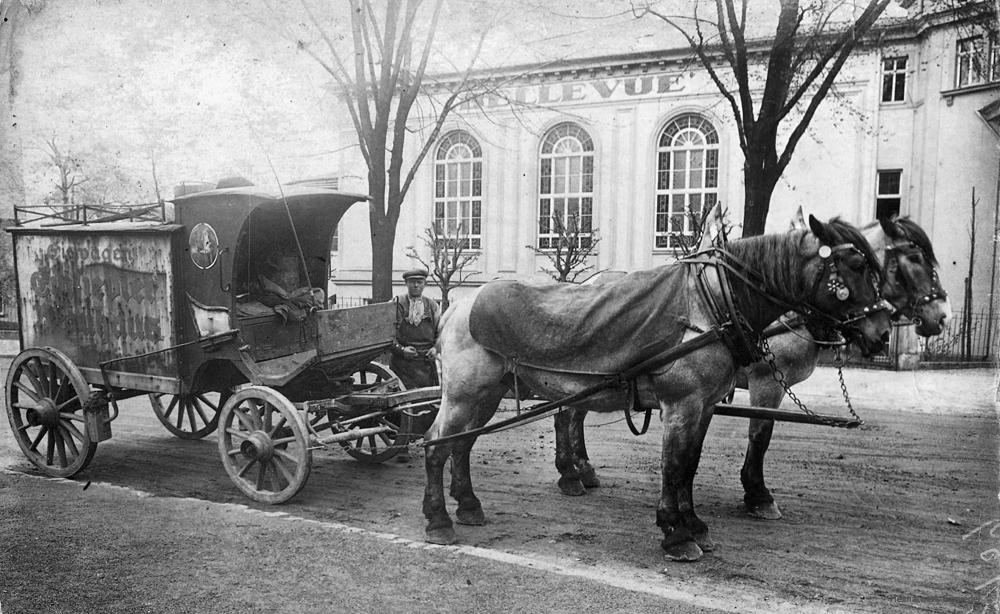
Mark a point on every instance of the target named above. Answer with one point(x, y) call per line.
point(46, 395)
point(381, 447)
point(264, 445)
point(189, 415)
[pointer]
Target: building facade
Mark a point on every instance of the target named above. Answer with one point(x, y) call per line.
point(626, 146)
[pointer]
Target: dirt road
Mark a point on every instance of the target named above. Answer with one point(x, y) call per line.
point(894, 517)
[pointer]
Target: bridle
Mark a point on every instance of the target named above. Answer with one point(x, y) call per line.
point(836, 286)
point(722, 258)
point(893, 252)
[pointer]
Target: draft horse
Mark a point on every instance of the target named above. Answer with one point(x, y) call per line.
point(559, 340)
point(911, 286)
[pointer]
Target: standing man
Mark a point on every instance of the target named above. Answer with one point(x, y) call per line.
point(413, 354)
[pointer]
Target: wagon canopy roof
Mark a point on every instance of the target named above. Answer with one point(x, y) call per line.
point(289, 193)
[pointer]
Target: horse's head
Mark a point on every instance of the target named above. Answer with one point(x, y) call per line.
point(846, 277)
point(911, 280)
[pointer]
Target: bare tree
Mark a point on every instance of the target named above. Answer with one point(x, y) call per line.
point(450, 254)
point(70, 171)
point(571, 250)
point(805, 56)
point(379, 88)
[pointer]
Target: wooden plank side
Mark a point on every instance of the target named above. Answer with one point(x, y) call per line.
point(342, 331)
point(98, 296)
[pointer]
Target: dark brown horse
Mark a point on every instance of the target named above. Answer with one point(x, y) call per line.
point(910, 284)
point(546, 336)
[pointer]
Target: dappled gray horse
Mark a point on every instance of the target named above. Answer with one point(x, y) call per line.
point(560, 339)
point(910, 284)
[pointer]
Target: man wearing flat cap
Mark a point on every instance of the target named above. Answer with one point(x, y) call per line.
point(412, 353)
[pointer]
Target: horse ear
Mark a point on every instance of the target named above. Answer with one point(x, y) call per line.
point(712, 228)
point(799, 221)
point(818, 228)
point(890, 227)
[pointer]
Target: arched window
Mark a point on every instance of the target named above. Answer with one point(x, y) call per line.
point(458, 188)
point(687, 179)
point(566, 186)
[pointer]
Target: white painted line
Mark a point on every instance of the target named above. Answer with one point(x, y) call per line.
point(703, 595)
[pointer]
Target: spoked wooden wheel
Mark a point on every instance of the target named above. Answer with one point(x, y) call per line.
point(264, 445)
point(189, 415)
point(381, 447)
point(46, 395)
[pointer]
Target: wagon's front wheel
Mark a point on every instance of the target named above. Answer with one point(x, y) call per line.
point(381, 447)
point(264, 445)
point(189, 415)
point(46, 395)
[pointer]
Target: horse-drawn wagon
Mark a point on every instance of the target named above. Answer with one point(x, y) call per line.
point(215, 316)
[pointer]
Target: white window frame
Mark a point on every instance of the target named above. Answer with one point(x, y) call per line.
point(458, 188)
point(678, 186)
point(977, 61)
point(896, 74)
point(566, 185)
point(881, 196)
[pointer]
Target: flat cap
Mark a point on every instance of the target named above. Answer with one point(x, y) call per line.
point(412, 273)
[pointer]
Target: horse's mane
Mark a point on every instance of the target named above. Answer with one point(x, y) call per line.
point(844, 232)
point(916, 234)
point(777, 258)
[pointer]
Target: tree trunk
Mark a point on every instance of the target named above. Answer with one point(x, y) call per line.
point(383, 243)
point(757, 198)
point(383, 229)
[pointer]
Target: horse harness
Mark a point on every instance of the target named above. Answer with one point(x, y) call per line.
point(892, 255)
point(745, 344)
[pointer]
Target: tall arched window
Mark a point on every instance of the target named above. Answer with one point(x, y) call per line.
point(458, 188)
point(566, 186)
point(687, 179)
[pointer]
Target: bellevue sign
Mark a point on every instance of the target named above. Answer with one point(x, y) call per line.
point(618, 88)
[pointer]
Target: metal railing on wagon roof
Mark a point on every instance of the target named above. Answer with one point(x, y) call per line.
point(73, 213)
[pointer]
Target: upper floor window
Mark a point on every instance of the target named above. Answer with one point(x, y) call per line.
point(894, 79)
point(566, 187)
point(458, 188)
point(888, 193)
point(977, 61)
point(687, 179)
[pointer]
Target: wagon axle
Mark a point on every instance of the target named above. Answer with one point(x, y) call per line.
point(44, 414)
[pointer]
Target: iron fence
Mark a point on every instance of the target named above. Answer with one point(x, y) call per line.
point(967, 338)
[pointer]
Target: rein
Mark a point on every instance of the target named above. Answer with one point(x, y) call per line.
point(549, 408)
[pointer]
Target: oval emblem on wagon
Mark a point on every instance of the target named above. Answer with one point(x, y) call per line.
point(204, 246)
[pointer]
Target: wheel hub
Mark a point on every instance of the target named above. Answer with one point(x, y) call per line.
point(257, 446)
point(45, 414)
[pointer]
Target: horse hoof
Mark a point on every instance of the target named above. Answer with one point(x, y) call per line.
point(474, 517)
point(443, 537)
point(590, 479)
point(704, 542)
point(764, 511)
point(572, 488)
point(683, 552)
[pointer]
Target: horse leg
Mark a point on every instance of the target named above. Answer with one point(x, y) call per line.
point(586, 471)
point(696, 525)
point(569, 476)
point(757, 499)
point(684, 426)
point(439, 528)
point(470, 510)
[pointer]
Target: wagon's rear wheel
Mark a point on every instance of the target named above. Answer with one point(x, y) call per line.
point(46, 395)
point(189, 415)
point(381, 447)
point(264, 444)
